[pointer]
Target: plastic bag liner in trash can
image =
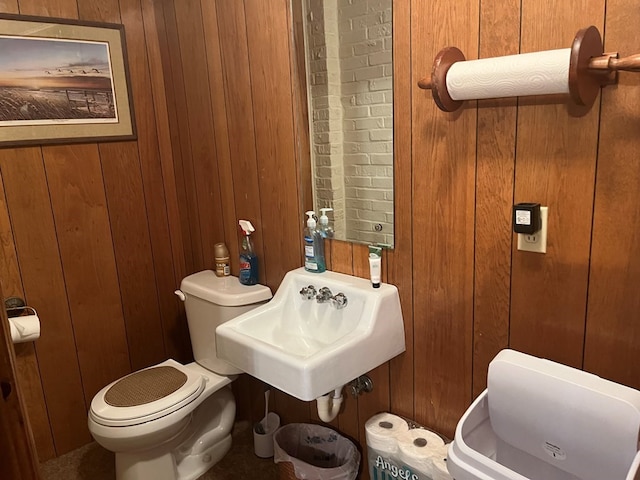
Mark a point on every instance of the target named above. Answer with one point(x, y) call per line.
point(313, 452)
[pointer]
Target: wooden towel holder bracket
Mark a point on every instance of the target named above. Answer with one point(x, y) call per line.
point(589, 70)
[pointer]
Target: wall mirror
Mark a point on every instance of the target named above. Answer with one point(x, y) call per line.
point(349, 77)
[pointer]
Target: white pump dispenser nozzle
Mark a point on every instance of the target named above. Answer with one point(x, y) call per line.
point(324, 220)
point(311, 221)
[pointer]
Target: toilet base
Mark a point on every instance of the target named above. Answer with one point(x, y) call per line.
point(192, 466)
point(135, 466)
point(189, 455)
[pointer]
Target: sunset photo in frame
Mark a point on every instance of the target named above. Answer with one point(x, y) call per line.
point(63, 81)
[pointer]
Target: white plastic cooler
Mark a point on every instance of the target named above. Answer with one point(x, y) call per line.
point(540, 420)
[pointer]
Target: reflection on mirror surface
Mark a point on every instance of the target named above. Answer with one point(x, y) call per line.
point(348, 50)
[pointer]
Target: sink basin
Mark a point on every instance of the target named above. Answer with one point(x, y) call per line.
point(308, 349)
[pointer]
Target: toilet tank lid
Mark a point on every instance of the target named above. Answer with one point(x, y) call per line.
point(223, 291)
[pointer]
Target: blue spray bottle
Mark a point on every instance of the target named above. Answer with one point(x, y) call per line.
point(248, 259)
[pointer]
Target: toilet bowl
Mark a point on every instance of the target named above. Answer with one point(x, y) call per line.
point(173, 421)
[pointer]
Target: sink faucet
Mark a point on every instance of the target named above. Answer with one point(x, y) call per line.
point(324, 295)
point(307, 293)
point(339, 300)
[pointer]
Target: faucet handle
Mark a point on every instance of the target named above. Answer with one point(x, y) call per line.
point(307, 293)
point(339, 300)
point(324, 295)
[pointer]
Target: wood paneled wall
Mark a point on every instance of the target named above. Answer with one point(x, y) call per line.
point(222, 136)
point(91, 239)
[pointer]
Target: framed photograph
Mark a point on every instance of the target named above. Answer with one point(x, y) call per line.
point(63, 81)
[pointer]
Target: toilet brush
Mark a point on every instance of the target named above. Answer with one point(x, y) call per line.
point(262, 425)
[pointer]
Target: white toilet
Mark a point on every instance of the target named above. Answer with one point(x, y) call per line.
point(173, 421)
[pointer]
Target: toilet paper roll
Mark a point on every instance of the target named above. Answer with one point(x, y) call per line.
point(439, 456)
point(440, 471)
point(25, 328)
point(417, 447)
point(382, 431)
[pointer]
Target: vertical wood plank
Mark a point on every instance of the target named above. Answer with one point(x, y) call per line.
point(499, 35)
point(555, 165)
point(147, 15)
point(240, 120)
point(612, 333)
point(179, 124)
point(341, 257)
point(202, 142)
point(9, 6)
point(132, 249)
point(443, 151)
point(219, 112)
point(26, 363)
point(167, 245)
point(44, 287)
point(86, 250)
point(103, 11)
point(400, 259)
point(50, 8)
point(273, 118)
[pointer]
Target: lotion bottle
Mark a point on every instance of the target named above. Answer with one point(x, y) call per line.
point(313, 246)
point(375, 265)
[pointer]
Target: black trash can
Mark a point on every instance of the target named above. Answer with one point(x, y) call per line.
point(307, 451)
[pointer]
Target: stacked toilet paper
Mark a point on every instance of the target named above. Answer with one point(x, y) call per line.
point(438, 463)
point(397, 446)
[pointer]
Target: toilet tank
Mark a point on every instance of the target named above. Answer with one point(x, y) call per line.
point(210, 301)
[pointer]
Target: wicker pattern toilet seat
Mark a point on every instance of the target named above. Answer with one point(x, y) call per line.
point(145, 386)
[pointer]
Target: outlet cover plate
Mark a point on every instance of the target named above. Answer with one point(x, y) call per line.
point(536, 242)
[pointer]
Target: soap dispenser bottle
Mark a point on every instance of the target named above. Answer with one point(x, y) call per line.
point(248, 259)
point(313, 246)
point(325, 229)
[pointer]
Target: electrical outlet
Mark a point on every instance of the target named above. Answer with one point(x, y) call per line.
point(536, 242)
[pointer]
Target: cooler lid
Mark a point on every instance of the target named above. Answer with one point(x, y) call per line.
point(147, 394)
point(574, 420)
point(223, 291)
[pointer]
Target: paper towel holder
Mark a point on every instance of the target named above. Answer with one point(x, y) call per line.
point(589, 70)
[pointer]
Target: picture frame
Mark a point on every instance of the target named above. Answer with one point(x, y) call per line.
point(63, 81)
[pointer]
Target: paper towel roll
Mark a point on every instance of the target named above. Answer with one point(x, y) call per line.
point(416, 449)
point(382, 431)
point(25, 328)
point(538, 73)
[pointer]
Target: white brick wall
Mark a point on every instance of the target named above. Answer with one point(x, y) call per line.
point(349, 47)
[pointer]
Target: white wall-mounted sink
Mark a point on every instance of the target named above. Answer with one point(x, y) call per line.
point(308, 349)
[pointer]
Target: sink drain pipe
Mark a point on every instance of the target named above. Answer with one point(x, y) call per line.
point(329, 405)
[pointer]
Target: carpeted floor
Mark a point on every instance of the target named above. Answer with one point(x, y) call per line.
point(92, 462)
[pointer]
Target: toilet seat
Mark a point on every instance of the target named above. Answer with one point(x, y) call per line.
point(146, 395)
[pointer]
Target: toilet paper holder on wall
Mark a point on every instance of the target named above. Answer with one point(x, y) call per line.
point(23, 320)
point(16, 306)
point(589, 69)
